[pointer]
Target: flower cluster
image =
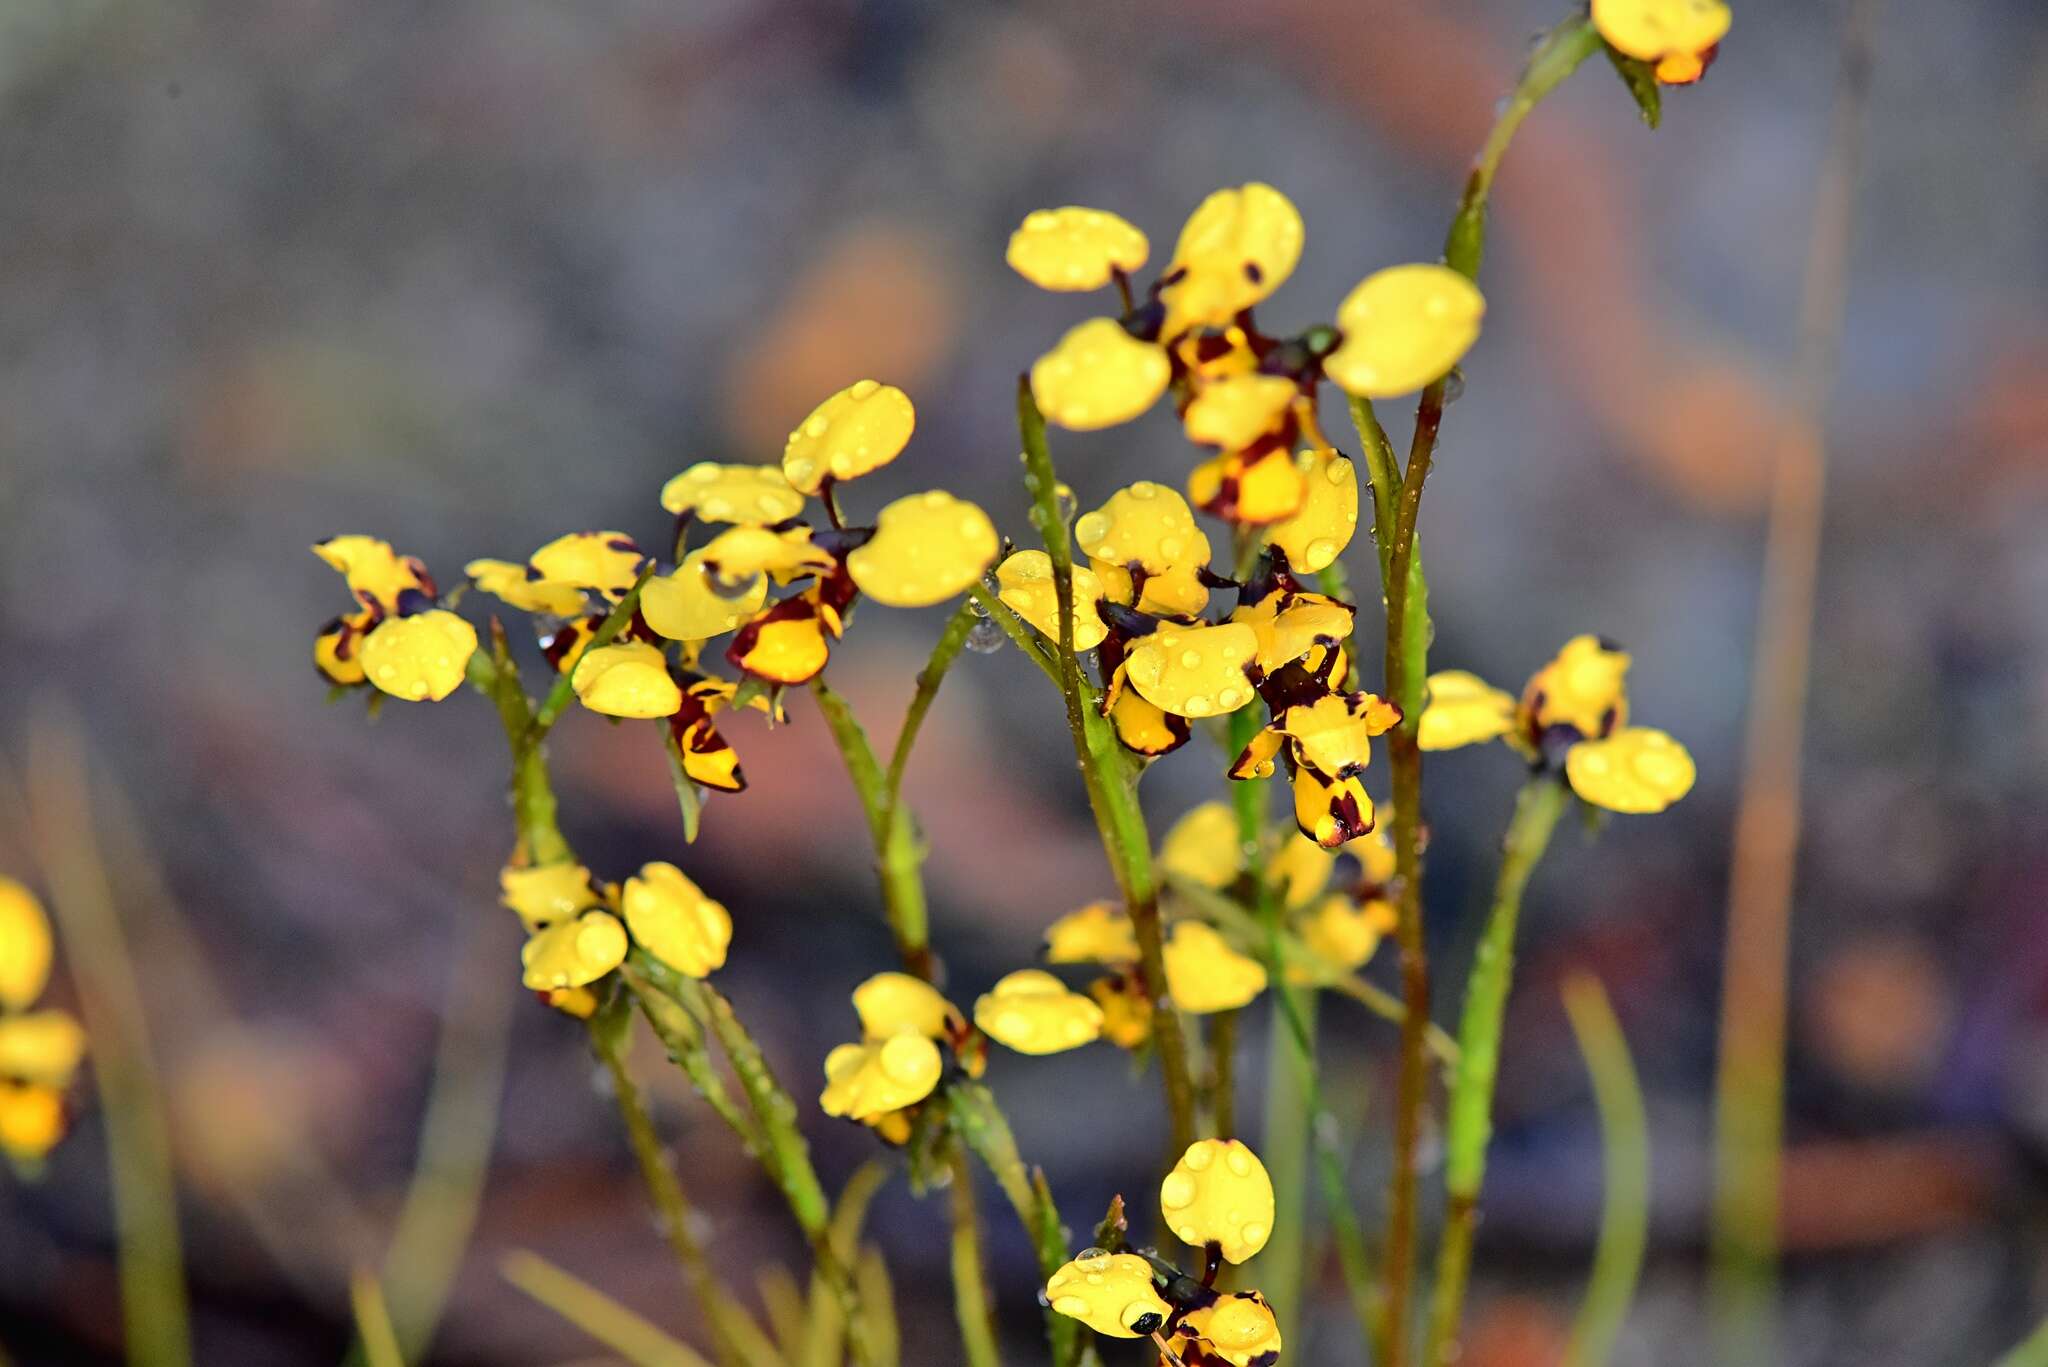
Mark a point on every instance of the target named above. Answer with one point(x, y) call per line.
point(1573, 717)
point(399, 639)
point(578, 930)
point(40, 1050)
point(1217, 1198)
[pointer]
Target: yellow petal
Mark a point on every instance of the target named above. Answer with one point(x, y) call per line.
point(1144, 729)
point(1146, 524)
point(1375, 853)
point(737, 556)
point(1034, 1013)
point(1111, 1293)
point(1098, 376)
point(927, 548)
point(25, 947)
point(1636, 769)
point(1257, 758)
point(1585, 687)
point(376, 573)
point(1179, 592)
point(41, 1046)
point(891, 1003)
point(1249, 489)
point(1236, 410)
point(421, 658)
point(517, 586)
point(864, 1081)
point(607, 562)
point(1334, 733)
point(338, 649)
point(1203, 846)
point(1300, 867)
point(1404, 327)
point(1099, 933)
point(861, 428)
point(1654, 29)
point(1194, 671)
point(708, 758)
point(1331, 812)
point(690, 604)
point(674, 921)
point(1075, 248)
point(1204, 974)
point(1323, 525)
point(1237, 247)
point(787, 643)
point(750, 495)
point(630, 680)
point(1025, 584)
point(1126, 1011)
point(1343, 933)
point(1464, 709)
point(31, 1120)
point(1219, 1193)
point(574, 953)
point(547, 893)
point(1238, 1328)
point(1289, 626)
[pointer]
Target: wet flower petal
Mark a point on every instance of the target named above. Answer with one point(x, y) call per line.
point(25, 946)
point(1334, 733)
point(861, 428)
point(1145, 524)
point(891, 1003)
point(1074, 248)
point(1289, 626)
point(1330, 811)
point(1194, 671)
point(1099, 933)
point(1033, 1012)
point(1144, 729)
point(1236, 410)
point(1237, 247)
point(1404, 327)
point(1025, 584)
point(1585, 687)
point(546, 893)
point(629, 680)
point(750, 495)
point(1324, 524)
point(689, 605)
point(864, 1081)
point(1260, 753)
point(674, 921)
point(1179, 592)
point(1203, 846)
point(607, 562)
point(41, 1046)
point(1098, 376)
point(1219, 1193)
point(421, 658)
point(736, 556)
point(1249, 488)
point(1464, 709)
point(927, 548)
point(574, 953)
point(1637, 769)
point(1204, 974)
point(1239, 1329)
point(511, 583)
point(1111, 1293)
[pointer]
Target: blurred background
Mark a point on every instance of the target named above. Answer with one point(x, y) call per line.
point(471, 273)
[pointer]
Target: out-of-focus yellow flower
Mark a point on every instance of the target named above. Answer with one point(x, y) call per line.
point(737, 555)
point(860, 429)
point(574, 953)
point(1345, 933)
point(1464, 709)
point(518, 586)
point(1252, 488)
point(546, 893)
point(1237, 247)
point(1203, 846)
point(927, 547)
point(1239, 1329)
point(1098, 375)
point(790, 641)
point(1330, 811)
point(377, 575)
point(1099, 933)
point(1404, 328)
point(1676, 35)
point(1025, 584)
point(579, 1002)
point(1219, 1193)
point(1323, 526)
point(1636, 769)
point(421, 658)
point(1584, 687)
point(1375, 856)
point(1033, 1012)
point(1204, 974)
point(1194, 671)
point(31, 1120)
point(25, 947)
point(1236, 410)
point(41, 1046)
point(1073, 248)
point(1111, 1293)
point(689, 605)
point(1126, 1010)
point(864, 1081)
point(890, 1003)
point(1299, 867)
point(674, 921)
point(604, 562)
point(627, 680)
point(750, 495)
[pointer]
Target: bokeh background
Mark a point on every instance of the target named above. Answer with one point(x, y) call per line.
point(471, 273)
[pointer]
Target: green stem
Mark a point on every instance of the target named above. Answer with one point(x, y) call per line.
point(150, 1258)
point(1625, 1140)
point(944, 651)
point(680, 1036)
point(1223, 1073)
point(1469, 1126)
point(1383, 474)
point(373, 1321)
point(1557, 55)
point(1110, 777)
point(898, 859)
point(971, 1306)
point(1022, 636)
point(2030, 1352)
point(596, 1314)
point(982, 1127)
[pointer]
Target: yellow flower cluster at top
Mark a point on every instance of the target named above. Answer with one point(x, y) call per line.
point(1218, 1198)
point(578, 930)
point(1572, 716)
point(40, 1050)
